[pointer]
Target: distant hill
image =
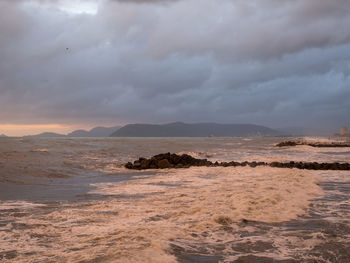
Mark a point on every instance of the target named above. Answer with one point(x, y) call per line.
point(179, 129)
point(47, 135)
point(95, 132)
point(3, 135)
point(78, 133)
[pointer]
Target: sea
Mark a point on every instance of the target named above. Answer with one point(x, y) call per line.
point(72, 200)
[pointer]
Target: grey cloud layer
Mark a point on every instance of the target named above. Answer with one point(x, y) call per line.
point(280, 63)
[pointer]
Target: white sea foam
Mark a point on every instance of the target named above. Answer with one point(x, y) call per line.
point(146, 214)
point(255, 194)
point(18, 205)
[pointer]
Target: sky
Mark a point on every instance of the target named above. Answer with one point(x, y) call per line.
point(68, 64)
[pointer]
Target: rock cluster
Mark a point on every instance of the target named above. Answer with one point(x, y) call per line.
point(313, 144)
point(312, 165)
point(168, 160)
point(288, 143)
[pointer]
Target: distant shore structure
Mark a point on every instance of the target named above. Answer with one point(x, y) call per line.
point(343, 131)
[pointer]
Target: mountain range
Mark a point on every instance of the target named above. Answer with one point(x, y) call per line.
point(95, 132)
point(180, 129)
point(175, 129)
point(46, 135)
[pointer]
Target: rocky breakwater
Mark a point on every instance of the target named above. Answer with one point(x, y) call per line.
point(312, 144)
point(168, 160)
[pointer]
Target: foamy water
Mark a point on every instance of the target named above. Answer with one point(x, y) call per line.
point(74, 202)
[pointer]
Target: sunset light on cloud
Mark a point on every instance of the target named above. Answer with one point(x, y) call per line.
point(73, 7)
point(79, 7)
point(28, 129)
point(106, 62)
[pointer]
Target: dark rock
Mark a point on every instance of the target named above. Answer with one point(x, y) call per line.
point(129, 165)
point(274, 164)
point(287, 143)
point(253, 164)
point(244, 164)
point(346, 166)
point(323, 166)
point(145, 163)
point(163, 164)
point(317, 166)
point(137, 165)
point(334, 166)
point(287, 165)
point(225, 164)
point(299, 165)
point(175, 159)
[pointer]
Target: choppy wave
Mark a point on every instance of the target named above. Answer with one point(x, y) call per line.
point(217, 213)
point(146, 215)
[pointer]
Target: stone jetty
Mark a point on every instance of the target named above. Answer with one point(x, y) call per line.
point(313, 144)
point(172, 160)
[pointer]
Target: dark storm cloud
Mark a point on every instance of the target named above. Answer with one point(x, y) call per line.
point(280, 63)
point(144, 1)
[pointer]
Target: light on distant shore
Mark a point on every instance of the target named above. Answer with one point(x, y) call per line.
point(343, 131)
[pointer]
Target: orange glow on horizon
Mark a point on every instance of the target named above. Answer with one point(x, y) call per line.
point(32, 129)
